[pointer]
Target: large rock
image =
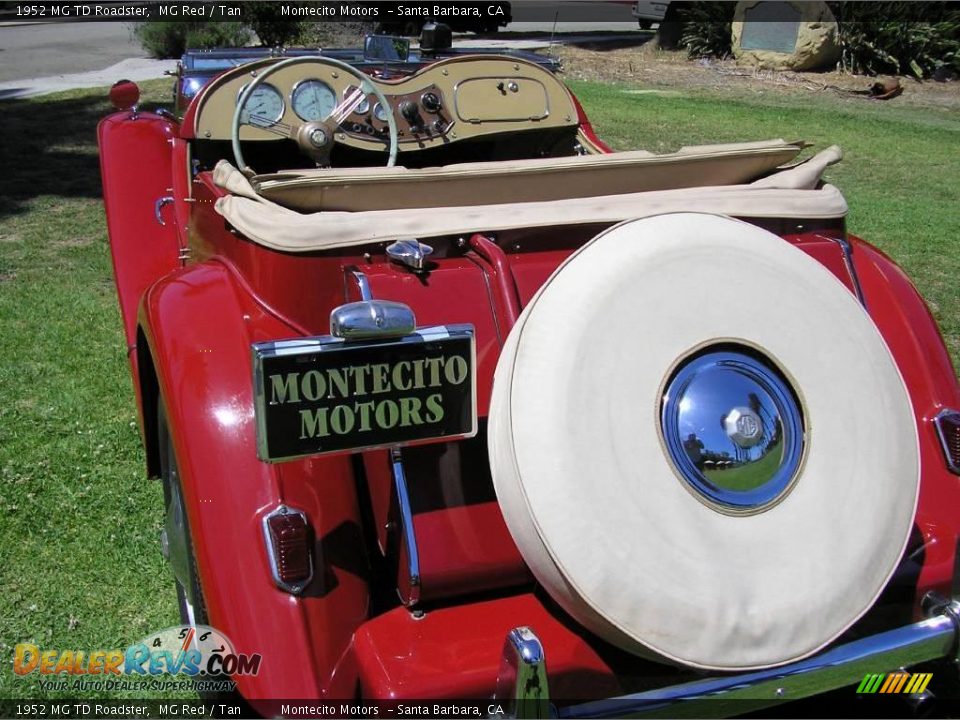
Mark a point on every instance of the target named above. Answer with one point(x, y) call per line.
point(785, 35)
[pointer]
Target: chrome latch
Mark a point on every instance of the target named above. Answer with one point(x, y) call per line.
point(522, 689)
point(411, 253)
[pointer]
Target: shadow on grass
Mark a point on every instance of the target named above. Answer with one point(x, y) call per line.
point(49, 148)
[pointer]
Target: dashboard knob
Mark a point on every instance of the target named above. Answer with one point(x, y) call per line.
point(410, 112)
point(431, 102)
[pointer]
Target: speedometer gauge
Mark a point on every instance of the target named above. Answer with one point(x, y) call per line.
point(313, 100)
point(263, 107)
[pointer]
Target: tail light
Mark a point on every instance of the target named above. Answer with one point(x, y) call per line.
point(289, 548)
point(948, 429)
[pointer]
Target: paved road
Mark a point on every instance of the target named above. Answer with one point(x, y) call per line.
point(44, 50)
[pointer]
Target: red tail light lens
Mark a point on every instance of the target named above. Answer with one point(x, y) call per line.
point(948, 429)
point(289, 547)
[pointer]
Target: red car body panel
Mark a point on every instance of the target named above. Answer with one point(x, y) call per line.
point(911, 333)
point(194, 326)
point(454, 652)
point(202, 364)
point(141, 249)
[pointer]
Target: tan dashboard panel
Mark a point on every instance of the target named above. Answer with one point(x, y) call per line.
point(478, 95)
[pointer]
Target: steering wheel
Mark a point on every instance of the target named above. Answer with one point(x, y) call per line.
point(315, 138)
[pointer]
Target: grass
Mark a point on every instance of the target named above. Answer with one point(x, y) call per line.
point(900, 173)
point(79, 559)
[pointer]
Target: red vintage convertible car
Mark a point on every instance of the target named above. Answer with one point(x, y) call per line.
point(449, 400)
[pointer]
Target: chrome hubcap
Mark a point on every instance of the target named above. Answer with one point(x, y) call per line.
point(733, 429)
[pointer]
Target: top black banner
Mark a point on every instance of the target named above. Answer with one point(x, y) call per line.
point(451, 11)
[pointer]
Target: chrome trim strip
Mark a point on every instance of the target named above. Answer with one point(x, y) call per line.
point(297, 588)
point(522, 688)
point(847, 249)
point(944, 443)
point(839, 667)
point(406, 527)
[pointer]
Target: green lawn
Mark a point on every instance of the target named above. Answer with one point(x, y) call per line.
point(900, 172)
point(80, 565)
point(79, 562)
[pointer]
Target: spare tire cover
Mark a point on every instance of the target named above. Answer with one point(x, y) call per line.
point(603, 516)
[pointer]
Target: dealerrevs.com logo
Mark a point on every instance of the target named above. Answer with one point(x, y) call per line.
point(902, 683)
point(182, 652)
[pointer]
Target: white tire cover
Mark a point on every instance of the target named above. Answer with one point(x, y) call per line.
point(592, 500)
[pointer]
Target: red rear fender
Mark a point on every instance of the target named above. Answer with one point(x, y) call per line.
point(198, 324)
point(912, 336)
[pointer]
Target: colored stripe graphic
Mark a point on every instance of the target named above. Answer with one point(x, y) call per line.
point(918, 683)
point(894, 683)
point(870, 683)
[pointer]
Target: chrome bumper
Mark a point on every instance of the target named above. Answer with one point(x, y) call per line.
point(523, 669)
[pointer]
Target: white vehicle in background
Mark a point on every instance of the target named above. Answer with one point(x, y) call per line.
point(648, 13)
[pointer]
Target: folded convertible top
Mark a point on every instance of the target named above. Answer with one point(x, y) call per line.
point(795, 192)
point(529, 180)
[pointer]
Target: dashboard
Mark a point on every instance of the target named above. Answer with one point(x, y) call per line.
point(451, 100)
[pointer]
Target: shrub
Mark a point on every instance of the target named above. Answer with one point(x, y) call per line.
point(265, 21)
point(169, 39)
point(336, 34)
point(887, 37)
point(707, 28)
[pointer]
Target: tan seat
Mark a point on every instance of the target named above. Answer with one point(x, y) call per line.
point(538, 180)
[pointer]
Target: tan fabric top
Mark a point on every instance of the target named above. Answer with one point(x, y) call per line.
point(529, 180)
point(791, 193)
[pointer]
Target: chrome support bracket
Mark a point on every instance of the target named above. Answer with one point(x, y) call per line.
point(522, 690)
point(363, 285)
point(409, 590)
point(934, 605)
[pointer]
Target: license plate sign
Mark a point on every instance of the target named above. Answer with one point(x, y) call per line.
point(322, 395)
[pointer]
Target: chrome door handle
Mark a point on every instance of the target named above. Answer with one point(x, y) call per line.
point(165, 200)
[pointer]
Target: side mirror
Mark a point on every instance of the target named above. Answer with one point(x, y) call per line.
point(386, 48)
point(124, 95)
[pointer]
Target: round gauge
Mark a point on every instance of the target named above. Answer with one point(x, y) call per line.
point(363, 107)
point(264, 107)
point(379, 112)
point(313, 100)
